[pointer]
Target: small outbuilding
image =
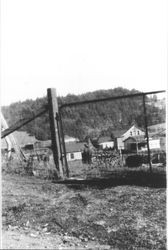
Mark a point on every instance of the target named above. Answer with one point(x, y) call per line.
point(106, 142)
point(74, 150)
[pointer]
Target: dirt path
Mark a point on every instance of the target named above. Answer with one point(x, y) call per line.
point(13, 239)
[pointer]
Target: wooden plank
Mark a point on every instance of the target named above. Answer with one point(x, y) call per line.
point(53, 111)
point(63, 146)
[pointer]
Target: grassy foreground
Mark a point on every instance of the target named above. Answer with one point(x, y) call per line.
point(118, 217)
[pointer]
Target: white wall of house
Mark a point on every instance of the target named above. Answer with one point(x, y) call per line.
point(153, 144)
point(74, 156)
point(108, 144)
point(70, 139)
point(120, 143)
point(133, 131)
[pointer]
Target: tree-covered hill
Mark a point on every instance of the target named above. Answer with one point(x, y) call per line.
point(90, 119)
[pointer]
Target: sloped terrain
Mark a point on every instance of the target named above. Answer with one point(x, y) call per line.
point(118, 217)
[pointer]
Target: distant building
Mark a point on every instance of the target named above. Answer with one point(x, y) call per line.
point(134, 138)
point(72, 146)
point(23, 139)
point(134, 143)
point(121, 141)
point(74, 150)
point(157, 133)
point(133, 131)
point(47, 143)
point(43, 144)
point(68, 138)
point(157, 128)
point(106, 142)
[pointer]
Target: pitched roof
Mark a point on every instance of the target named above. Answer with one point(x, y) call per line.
point(119, 133)
point(105, 139)
point(43, 144)
point(139, 138)
point(132, 128)
point(157, 127)
point(161, 133)
point(72, 147)
point(22, 138)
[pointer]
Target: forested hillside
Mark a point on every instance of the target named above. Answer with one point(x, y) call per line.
point(89, 119)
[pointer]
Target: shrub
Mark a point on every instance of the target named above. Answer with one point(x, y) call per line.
point(134, 161)
point(159, 157)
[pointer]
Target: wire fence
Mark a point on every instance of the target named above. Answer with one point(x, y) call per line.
point(115, 133)
point(105, 135)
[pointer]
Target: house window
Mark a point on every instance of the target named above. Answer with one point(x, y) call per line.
point(72, 156)
point(138, 132)
point(130, 133)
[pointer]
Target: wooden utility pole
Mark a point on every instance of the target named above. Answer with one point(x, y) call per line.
point(53, 113)
point(146, 132)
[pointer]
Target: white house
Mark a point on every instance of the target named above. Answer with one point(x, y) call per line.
point(133, 131)
point(106, 142)
point(68, 138)
point(137, 134)
point(120, 143)
point(153, 144)
point(74, 150)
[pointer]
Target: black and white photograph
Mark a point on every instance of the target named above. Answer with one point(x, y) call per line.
point(83, 124)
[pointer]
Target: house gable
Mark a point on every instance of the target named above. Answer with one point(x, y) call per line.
point(72, 147)
point(133, 131)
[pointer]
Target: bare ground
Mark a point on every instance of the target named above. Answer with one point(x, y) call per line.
point(38, 214)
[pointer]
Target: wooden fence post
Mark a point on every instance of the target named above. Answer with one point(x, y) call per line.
point(63, 146)
point(53, 111)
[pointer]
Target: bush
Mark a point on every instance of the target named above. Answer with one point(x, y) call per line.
point(137, 160)
point(134, 161)
point(159, 157)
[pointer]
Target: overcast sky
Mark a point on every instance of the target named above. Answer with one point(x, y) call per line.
point(78, 46)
